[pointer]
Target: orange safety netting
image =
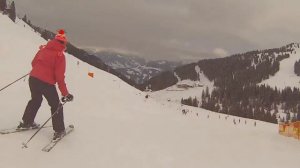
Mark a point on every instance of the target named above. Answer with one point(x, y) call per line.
point(290, 129)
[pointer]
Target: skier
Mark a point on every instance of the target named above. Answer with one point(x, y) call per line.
point(48, 68)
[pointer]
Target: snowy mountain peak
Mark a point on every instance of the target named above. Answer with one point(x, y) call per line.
point(134, 67)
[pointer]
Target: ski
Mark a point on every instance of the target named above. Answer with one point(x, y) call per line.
point(52, 143)
point(16, 129)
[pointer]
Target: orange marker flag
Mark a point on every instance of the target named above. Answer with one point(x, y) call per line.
point(91, 74)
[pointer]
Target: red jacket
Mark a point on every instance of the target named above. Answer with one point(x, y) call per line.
point(49, 65)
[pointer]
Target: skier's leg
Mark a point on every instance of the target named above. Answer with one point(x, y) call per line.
point(35, 102)
point(53, 100)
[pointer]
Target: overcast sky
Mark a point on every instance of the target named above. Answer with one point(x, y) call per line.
point(170, 29)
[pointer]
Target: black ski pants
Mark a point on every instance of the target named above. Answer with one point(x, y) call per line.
point(39, 89)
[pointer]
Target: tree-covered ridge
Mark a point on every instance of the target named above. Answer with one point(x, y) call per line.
point(248, 68)
point(240, 69)
point(236, 91)
point(254, 102)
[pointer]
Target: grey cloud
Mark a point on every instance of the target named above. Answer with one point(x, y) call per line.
point(167, 29)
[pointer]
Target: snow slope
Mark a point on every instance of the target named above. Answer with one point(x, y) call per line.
point(175, 93)
point(115, 126)
point(286, 76)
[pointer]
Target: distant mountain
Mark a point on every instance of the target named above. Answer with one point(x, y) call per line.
point(133, 67)
point(261, 84)
point(247, 68)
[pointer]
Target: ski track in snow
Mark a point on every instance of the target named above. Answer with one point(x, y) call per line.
point(115, 126)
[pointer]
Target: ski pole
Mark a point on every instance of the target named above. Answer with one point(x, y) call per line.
point(24, 145)
point(13, 82)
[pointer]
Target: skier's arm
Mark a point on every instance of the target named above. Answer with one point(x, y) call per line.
point(60, 69)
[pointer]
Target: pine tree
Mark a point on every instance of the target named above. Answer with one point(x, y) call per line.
point(207, 92)
point(274, 119)
point(195, 102)
point(288, 117)
point(46, 34)
point(294, 118)
point(268, 116)
point(3, 5)
point(203, 95)
point(25, 18)
point(12, 12)
point(297, 67)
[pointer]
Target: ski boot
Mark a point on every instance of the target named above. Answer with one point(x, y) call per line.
point(28, 126)
point(58, 135)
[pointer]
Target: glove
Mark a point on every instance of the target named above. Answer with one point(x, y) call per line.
point(67, 98)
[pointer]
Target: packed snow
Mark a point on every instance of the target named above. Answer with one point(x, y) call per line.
point(116, 126)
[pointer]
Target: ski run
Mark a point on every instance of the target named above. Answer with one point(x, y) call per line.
point(116, 126)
